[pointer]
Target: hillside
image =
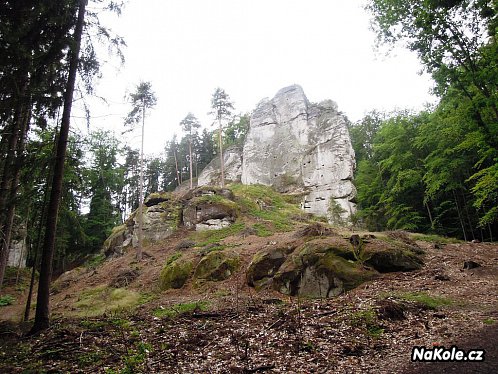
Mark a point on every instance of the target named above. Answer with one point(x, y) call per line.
point(119, 315)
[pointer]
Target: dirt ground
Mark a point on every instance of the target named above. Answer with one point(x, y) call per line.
point(371, 329)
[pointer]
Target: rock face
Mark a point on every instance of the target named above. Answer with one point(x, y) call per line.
point(18, 250)
point(161, 216)
point(232, 157)
point(210, 208)
point(294, 145)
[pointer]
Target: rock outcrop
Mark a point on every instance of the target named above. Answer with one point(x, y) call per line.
point(210, 175)
point(327, 267)
point(161, 216)
point(210, 208)
point(294, 145)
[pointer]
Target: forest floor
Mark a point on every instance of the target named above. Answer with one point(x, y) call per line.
point(371, 329)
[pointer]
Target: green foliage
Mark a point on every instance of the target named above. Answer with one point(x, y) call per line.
point(205, 238)
point(367, 320)
point(98, 300)
point(95, 261)
point(430, 302)
point(265, 203)
point(6, 300)
point(179, 309)
point(262, 230)
point(335, 212)
point(236, 131)
point(142, 99)
point(450, 157)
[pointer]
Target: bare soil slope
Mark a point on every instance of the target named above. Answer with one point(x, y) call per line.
point(230, 328)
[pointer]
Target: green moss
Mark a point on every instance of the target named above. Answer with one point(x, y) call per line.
point(352, 274)
point(489, 321)
point(111, 241)
point(179, 309)
point(217, 266)
point(215, 199)
point(367, 320)
point(101, 299)
point(204, 238)
point(175, 256)
point(264, 203)
point(262, 230)
point(431, 238)
point(430, 302)
point(159, 195)
point(175, 273)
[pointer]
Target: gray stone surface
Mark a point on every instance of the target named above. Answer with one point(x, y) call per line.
point(210, 176)
point(294, 145)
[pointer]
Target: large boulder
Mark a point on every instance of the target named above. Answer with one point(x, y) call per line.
point(217, 266)
point(294, 145)
point(319, 270)
point(327, 266)
point(161, 217)
point(265, 265)
point(175, 273)
point(210, 208)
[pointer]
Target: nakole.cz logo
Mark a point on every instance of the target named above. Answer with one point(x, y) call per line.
point(441, 354)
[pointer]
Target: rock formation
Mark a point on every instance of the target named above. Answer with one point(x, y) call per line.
point(296, 146)
point(210, 175)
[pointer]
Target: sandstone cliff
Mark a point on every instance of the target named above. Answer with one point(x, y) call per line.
point(300, 147)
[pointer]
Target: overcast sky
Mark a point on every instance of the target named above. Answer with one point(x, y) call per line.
point(187, 48)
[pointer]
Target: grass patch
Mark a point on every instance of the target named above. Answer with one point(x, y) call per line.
point(95, 261)
point(175, 256)
point(262, 230)
point(264, 203)
point(6, 300)
point(179, 309)
point(430, 302)
point(367, 320)
point(205, 238)
point(489, 321)
point(96, 301)
point(432, 238)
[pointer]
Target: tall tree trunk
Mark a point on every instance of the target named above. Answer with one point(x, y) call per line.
point(190, 155)
point(141, 191)
point(42, 319)
point(9, 205)
point(430, 214)
point(222, 164)
point(460, 216)
point(178, 176)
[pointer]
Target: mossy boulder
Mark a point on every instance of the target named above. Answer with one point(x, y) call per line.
point(175, 273)
point(394, 259)
point(161, 217)
point(265, 265)
point(217, 266)
point(114, 243)
point(210, 209)
point(156, 198)
point(320, 270)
